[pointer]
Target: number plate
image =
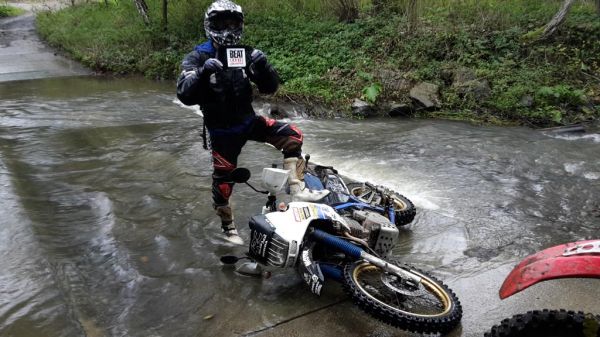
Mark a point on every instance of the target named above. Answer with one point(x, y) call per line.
point(236, 57)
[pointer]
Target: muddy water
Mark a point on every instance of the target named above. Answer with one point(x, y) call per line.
point(106, 227)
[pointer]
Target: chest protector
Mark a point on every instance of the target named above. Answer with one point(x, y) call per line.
point(230, 95)
point(231, 84)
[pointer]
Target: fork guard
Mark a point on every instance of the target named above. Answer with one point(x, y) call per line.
point(577, 259)
point(310, 270)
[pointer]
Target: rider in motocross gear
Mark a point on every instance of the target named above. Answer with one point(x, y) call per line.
point(225, 98)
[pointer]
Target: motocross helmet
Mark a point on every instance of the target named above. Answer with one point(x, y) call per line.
point(224, 22)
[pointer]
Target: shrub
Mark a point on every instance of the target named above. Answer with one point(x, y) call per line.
point(560, 95)
point(6, 11)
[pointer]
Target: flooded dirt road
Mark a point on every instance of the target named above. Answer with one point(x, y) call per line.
point(24, 56)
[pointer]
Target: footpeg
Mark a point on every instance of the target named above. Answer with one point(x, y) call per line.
point(250, 268)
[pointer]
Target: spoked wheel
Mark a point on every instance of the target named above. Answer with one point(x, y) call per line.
point(404, 208)
point(427, 307)
point(548, 323)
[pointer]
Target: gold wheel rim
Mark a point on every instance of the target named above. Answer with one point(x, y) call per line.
point(430, 285)
point(399, 204)
point(357, 191)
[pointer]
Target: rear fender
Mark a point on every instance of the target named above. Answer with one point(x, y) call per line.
point(577, 259)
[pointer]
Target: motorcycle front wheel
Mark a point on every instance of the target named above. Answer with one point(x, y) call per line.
point(548, 323)
point(404, 208)
point(429, 307)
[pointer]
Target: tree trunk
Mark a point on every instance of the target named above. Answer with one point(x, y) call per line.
point(598, 7)
point(378, 5)
point(346, 10)
point(164, 15)
point(142, 9)
point(412, 11)
point(558, 19)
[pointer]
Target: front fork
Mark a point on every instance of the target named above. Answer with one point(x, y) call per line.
point(391, 213)
point(313, 272)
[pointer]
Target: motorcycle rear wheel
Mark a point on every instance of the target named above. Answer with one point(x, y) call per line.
point(404, 208)
point(548, 323)
point(430, 308)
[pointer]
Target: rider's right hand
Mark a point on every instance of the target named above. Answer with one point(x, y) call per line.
point(211, 66)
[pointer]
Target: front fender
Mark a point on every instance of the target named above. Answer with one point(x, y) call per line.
point(577, 259)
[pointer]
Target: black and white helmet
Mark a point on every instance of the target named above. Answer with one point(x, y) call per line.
point(224, 22)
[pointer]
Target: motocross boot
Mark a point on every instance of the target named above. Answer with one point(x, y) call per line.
point(229, 231)
point(298, 190)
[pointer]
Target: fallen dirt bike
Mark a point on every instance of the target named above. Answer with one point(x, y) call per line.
point(347, 196)
point(323, 245)
point(572, 260)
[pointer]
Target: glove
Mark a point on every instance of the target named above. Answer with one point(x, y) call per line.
point(211, 66)
point(258, 60)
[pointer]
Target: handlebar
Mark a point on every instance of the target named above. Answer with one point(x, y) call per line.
point(326, 167)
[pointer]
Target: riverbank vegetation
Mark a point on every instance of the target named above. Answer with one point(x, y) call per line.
point(7, 11)
point(481, 59)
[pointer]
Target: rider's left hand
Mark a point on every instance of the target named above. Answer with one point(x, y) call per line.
point(258, 60)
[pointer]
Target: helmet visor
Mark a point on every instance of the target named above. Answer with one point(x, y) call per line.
point(226, 22)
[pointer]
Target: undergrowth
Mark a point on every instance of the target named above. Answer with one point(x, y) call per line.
point(551, 82)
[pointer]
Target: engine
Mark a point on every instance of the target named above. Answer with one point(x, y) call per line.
point(275, 238)
point(380, 233)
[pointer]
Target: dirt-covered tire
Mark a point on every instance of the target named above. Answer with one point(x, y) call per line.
point(432, 308)
point(548, 323)
point(404, 208)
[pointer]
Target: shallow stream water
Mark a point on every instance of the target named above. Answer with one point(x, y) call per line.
point(107, 229)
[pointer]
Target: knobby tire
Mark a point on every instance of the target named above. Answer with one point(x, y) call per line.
point(404, 208)
point(548, 323)
point(397, 306)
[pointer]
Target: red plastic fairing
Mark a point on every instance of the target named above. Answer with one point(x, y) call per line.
point(551, 264)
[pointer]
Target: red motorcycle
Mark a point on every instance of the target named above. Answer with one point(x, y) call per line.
point(572, 260)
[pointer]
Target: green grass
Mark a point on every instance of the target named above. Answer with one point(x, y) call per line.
point(6, 11)
point(322, 60)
